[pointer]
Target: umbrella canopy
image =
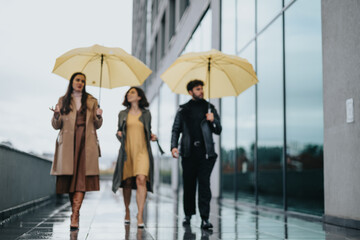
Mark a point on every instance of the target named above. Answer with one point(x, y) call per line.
point(104, 67)
point(223, 74)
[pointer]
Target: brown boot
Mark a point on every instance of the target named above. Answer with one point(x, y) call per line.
point(76, 205)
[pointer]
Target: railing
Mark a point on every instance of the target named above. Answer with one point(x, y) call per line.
point(25, 181)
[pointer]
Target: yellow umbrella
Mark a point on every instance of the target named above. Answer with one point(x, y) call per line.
point(104, 67)
point(223, 74)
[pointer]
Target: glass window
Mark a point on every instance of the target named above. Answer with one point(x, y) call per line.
point(245, 22)
point(166, 118)
point(228, 26)
point(158, 48)
point(201, 39)
point(155, 50)
point(245, 135)
point(183, 5)
point(154, 8)
point(184, 98)
point(154, 110)
point(171, 18)
point(228, 147)
point(266, 11)
point(304, 106)
point(288, 1)
point(270, 115)
point(163, 36)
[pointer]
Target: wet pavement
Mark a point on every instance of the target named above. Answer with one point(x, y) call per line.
point(102, 217)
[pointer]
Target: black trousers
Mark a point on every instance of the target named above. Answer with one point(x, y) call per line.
point(196, 172)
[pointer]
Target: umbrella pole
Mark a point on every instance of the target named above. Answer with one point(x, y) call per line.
point(101, 68)
point(208, 80)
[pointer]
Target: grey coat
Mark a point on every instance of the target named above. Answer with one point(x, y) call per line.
point(145, 118)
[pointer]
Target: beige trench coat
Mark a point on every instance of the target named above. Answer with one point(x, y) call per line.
point(64, 152)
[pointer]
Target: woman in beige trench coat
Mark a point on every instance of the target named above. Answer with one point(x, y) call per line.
point(76, 163)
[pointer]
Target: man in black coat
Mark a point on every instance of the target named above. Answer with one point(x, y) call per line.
point(196, 150)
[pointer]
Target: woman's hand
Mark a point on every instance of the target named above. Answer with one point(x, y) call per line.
point(56, 111)
point(119, 133)
point(153, 137)
point(99, 112)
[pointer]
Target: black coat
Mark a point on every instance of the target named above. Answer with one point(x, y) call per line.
point(181, 125)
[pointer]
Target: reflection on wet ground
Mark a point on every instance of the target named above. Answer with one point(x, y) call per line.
point(102, 217)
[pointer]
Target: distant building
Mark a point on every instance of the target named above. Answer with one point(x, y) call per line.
point(49, 156)
point(7, 143)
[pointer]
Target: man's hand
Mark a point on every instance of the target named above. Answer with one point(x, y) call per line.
point(119, 133)
point(175, 153)
point(153, 137)
point(210, 117)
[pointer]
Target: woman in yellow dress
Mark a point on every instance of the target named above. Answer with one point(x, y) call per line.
point(135, 164)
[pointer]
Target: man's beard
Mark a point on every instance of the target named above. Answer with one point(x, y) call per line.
point(196, 98)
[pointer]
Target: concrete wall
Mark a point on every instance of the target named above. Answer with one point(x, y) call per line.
point(24, 178)
point(215, 6)
point(341, 72)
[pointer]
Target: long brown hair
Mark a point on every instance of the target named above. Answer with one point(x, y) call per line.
point(66, 101)
point(143, 103)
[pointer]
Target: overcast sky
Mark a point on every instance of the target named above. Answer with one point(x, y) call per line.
point(32, 35)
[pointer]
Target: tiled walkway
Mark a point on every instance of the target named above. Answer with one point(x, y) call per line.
point(102, 217)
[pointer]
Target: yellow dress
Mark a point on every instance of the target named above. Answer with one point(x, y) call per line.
point(137, 162)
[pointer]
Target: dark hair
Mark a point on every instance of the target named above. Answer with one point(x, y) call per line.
point(143, 103)
point(194, 83)
point(66, 101)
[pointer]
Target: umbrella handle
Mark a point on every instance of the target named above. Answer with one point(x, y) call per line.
point(101, 69)
point(208, 82)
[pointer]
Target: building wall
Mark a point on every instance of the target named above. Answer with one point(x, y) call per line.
point(341, 61)
point(139, 29)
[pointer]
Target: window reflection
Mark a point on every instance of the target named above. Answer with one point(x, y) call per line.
point(267, 11)
point(228, 146)
point(154, 109)
point(184, 98)
point(288, 1)
point(245, 16)
point(201, 38)
point(228, 26)
point(167, 115)
point(304, 115)
point(270, 115)
point(246, 137)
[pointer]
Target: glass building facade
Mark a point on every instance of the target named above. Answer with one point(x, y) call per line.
point(271, 146)
point(275, 155)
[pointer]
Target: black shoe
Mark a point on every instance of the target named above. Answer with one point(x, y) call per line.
point(205, 224)
point(186, 220)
